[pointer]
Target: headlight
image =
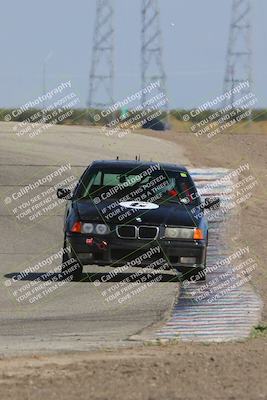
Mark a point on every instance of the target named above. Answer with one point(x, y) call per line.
point(179, 233)
point(101, 229)
point(87, 228)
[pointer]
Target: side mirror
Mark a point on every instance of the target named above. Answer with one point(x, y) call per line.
point(211, 203)
point(63, 193)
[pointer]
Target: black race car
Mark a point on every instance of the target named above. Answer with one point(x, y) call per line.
point(134, 213)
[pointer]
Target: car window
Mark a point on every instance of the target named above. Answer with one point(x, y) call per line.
point(173, 185)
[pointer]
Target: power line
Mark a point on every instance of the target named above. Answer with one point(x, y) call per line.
point(102, 65)
point(239, 53)
point(151, 51)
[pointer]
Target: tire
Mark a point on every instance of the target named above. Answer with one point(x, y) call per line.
point(199, 275)
point(207, 244)
point(75, 266)
point(195, 274)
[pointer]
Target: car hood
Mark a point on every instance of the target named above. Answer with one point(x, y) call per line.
point(164, 214)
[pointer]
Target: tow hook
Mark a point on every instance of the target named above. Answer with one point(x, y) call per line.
point(100, 244)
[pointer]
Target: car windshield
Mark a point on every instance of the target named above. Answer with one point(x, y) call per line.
point(137, 184)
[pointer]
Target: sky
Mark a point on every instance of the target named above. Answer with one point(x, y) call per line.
point(195, 37)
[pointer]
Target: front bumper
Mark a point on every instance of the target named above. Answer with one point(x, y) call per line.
point(114, 251)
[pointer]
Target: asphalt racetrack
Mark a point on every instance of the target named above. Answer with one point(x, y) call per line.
point(41, 313)
point(75, 316)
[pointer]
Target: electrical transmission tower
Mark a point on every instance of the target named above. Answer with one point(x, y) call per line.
point(152, 64)
point(102, 68)
point(239, 53)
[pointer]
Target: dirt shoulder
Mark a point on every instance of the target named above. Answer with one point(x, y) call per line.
point(178, 371)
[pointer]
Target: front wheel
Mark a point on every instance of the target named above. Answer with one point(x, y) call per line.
point(197, 275)
point(71, 266)
point(194, 274)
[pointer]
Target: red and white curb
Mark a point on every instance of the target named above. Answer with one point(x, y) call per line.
point(229, 317)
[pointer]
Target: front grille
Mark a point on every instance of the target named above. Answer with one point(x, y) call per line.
point(127, 231)
point(148, 232)
point(137, 232)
